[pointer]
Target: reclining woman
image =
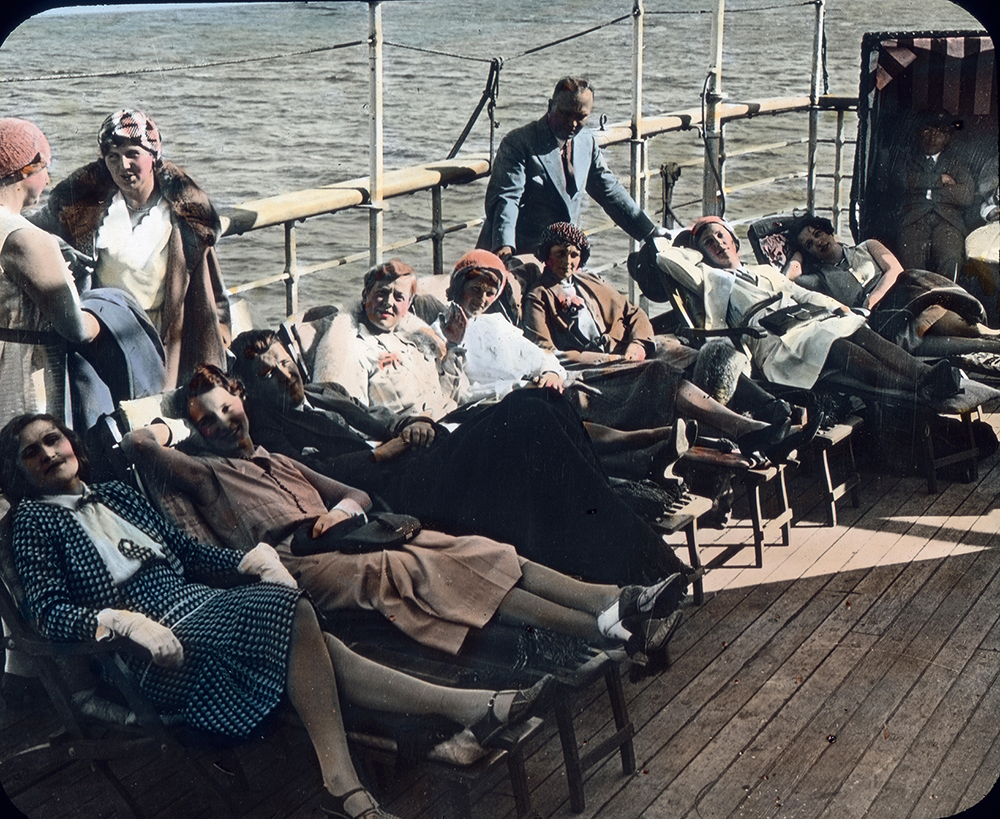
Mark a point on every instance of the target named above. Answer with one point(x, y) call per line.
point(153, 232)
point(434, 587)
point(586, 321)
point(97, 561)
point(923, 312)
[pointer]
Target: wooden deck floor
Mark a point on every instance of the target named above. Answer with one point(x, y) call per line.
point(856, 674)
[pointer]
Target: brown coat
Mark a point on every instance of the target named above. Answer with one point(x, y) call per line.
point(195, 302)
point(552, 328)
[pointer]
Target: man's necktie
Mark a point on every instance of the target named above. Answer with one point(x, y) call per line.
point(567, 158)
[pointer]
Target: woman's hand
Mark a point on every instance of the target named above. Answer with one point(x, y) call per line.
point(160, 640)
point(636, 351)
point(328, 521)
point(552, 381)
point(419, 433)
point(345, 509)
point(263, 562)
point(455, 325)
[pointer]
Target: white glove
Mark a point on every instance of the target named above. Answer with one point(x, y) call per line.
point(160, 640)
point(264, 562)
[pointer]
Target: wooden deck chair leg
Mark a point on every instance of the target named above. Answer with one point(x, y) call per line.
point(691, 533)
point(571, 752)
point(621, 740)
point(826, 442)
point(619, 708)
point(753, 498)
point(519, 780)
point(931, 466)
point(785, 515)
point(973, 461)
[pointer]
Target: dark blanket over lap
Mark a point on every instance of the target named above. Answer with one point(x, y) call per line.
point(524, 472)
point(633, 395)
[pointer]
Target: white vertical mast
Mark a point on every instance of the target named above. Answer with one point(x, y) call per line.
point(376, 166)
point(814, 92)
point(638, 146)
point(714, 177)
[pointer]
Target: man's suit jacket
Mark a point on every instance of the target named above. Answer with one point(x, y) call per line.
point(527, 189)
point(947, 202)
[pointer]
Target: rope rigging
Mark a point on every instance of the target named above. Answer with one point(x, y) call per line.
point(163, 69)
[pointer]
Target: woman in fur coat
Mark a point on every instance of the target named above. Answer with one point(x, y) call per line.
point(151, 232)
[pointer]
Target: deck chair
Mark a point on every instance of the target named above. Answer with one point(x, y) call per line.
point(574, 672)
point(642, 268)
point(767, 239)
point(124, 730)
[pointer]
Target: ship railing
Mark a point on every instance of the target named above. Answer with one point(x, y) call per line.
point(288, 209)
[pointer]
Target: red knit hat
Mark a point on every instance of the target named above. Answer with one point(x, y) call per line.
point(703, 222)
point(22, 145)
point(475, 263)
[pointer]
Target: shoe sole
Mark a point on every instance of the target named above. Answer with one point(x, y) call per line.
point(662, 632)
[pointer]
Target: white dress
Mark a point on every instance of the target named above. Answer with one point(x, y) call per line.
point(32, 376)
point(498, 357)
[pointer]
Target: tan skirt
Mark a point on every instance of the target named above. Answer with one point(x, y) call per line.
point(434, 589)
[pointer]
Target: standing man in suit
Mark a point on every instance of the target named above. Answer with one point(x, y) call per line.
point(542, 171)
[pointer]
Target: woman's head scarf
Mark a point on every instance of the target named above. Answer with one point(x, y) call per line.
point(130, 126)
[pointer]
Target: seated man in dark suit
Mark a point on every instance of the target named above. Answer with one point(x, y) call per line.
point(560, 511)
point(542, 171)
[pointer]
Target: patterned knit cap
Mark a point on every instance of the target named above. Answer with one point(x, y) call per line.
point(132, 126)
point(474, 264)
point(23, 148)
point(563, 233)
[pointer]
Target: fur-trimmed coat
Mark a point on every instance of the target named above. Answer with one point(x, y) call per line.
point(195, 302)
point(408, 371)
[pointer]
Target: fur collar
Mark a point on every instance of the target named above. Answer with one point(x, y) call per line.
point(333, 349)
point(81, 200)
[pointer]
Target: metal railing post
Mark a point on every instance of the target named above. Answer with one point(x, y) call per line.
point(713, 182)
point(375, 159)
point(814, 92)
point(291, 270)
point(437, 230)
point(838, 173)
point(637, 153)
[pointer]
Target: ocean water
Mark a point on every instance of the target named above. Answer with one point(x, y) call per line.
point(256, 128)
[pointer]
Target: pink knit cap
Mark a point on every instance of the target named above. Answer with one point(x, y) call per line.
point(22, 145)
point(473, 264)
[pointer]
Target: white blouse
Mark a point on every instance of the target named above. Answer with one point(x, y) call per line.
point(123, 547)
point(134, 259)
